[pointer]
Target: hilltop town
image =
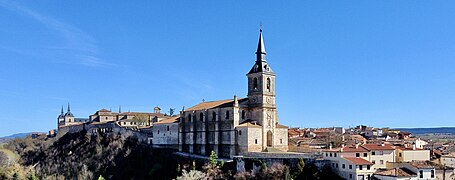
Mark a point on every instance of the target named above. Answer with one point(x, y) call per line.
point(242, 129)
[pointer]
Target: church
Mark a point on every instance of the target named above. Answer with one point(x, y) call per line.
point(231, 127)
point(239, 125)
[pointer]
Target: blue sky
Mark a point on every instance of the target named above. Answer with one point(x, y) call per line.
point(338, 63)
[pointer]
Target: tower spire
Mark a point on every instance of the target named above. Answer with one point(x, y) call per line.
point(261, 64)
point(69, 109)
point(61, 112)
point(260, 52)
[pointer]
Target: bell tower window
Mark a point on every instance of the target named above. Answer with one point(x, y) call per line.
point(268, 84)
point(243, 114)
point(255, 83)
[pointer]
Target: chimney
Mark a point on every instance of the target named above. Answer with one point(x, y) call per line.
point(357, 146)
point(330, 146)
point(413, 147)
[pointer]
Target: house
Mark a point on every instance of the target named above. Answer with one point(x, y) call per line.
point(420, 143)
point(448, 160)
point(354, 168)
point(407, 154)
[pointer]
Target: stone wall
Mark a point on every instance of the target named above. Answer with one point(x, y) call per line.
point(165, 135)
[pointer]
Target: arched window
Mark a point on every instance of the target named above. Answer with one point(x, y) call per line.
point(167, 128)
point(227, 114)
point(255, 83)
point(201, 117)
point(243, 114)
point(189, 117)
point(240, 132)
point(268, 84)
point(213, 116)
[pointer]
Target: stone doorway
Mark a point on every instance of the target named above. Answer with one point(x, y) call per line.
point(269, 139)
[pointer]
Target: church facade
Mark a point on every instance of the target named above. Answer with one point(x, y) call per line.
point(239, 125)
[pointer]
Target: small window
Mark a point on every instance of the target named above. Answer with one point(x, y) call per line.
point(243, 114)
point(256, 141)
point(158, 132)
point(373, 153)
point(255, 83)
point(106, 118)
point(365, 154)
point(227, 115)
point(381, 161)
point(240, 132)
point(213, 116)
point(350, 166)
point(268, 84)
point(360, 167)
point(374, 162)
point(350, 175)
point(368, 167)
point(336, 165)
point(335, 154)
point(399, 154)
point(201, 117)
point(189, 117)
point(432, 173)
point(167, 128)
point(330, 154)
point(281, 141)
point(421, 174)
point(326, 154)
point(344, 166)
point(357, 154)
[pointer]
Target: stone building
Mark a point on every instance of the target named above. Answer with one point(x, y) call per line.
point(68, 119)
point(239, 125)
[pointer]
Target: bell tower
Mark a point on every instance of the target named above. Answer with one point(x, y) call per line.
point(261, 80)
point(261, 95)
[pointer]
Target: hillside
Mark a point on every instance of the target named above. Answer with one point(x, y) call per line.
point(80, 156)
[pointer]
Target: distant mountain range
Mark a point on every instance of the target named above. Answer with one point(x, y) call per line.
point(429, 130)
point(18, 135)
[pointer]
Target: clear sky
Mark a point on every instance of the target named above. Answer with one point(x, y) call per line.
point(338, 63)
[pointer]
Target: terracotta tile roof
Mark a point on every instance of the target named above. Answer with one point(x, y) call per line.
point(409, 148)
point(358, 161)
point(249, 124)
point(398, 172)
point(281, 126)
point(103, 110)
point(421, 164)
point(378, 146)
point(170, 120)
point(215, 104)
point(353, 148)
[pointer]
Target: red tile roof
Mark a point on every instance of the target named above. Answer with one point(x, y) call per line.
point(378, 146)
point(281, 126)
point(358, 161)
point(170, 120)
point(398, 172)
point(214, 104)
point(421, 164)
point(248, 124)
